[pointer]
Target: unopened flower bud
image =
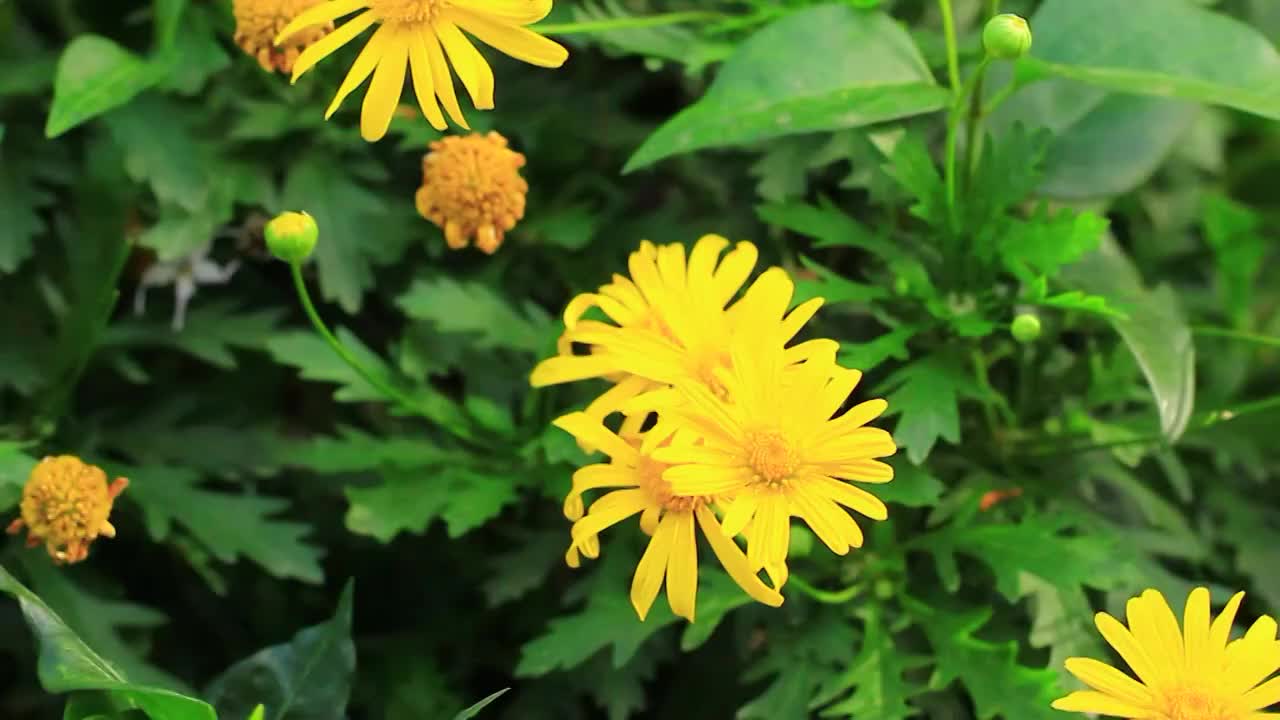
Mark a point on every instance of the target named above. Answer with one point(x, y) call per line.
point(291, 236)
point(1025, 328)
point(1007, 37)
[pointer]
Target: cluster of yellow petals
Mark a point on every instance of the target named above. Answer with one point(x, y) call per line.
point(258, 22)
point(744, 429)
point(472, 189)
point(1196, 672)
point(66, 505)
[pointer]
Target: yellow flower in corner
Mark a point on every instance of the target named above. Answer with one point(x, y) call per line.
point(472, 189)
point(637, 487)
point(259, 22)
point(775, 444)
point(1192, 673)
point(66, 504)
point(670, 323)
point(425, 37)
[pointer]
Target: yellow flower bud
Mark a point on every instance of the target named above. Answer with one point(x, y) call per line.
point(1007, 37)
point(291, 236)
point(66, 504)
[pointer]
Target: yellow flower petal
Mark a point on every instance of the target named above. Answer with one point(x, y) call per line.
point(594, 477)
point(518, 42)
point(321, 14)
point(362, 68)
point(739, 513)
point(424, 86)
point(1106, 679)
point(682, 566)
point(1263, 696)
point(734, 562)
point(326, 46)
point(608, 511)
point(519, 12)
point(1120, 638)
point(706, 479)
point(848, 495)
point(1095, 702)
point(1195, 630)
point(797, 318)
point(770, 533)
point(568, 368)
point(383, 96)
point(443, 80)
point(827, 521)
point(582, 426)
point(652, 568)
point(471, 67)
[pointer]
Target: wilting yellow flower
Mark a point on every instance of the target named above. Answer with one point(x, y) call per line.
point(670, 322)
point(638, 488)
point(1195, 673)
point(417, 35)
point(258, 22)
point(66, 504)
point(774, 443)
point(472, 189)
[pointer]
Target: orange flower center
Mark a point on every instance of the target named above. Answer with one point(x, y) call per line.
point(471, 188)
point(407, 11)
point(1196, 704)
point(771, 456)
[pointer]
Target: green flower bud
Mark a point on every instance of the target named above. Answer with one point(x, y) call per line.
point(291, 236)
point(1007, 37)
point(884, 589)
point(1025, 328)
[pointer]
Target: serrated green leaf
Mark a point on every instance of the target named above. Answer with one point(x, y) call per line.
point(875, 676)
point(407, 500)
point(308, 678)
point(516, 572)
point(912, 486)
point(833, 288)
point(159, 150)
point(912, 167)
point(474, 309)
point(67, 664)
point(21, 200)
point(94, 75)
point(211, 331)
point(848, 68)
point(352, 450)
point(926, 395)
point(1157, 47)
point(801, 660)
point(998, 685)
point(1233, 231)
point(868, 355)
point(1044, 242)
point(828, 226)
point(227, 525)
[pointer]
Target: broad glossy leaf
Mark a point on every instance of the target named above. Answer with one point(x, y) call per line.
point(308, 678)
point(843, 68)
point(95, 75)
point(1154, 329)
point(67, 664)
point(1166, 48)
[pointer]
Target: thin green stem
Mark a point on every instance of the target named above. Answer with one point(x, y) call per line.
point(974, 123)
point(953, 78)
point(1243, 336)
point(993, 8)
point(1004, 94)
point(953, 50)
point(627, 23)
point(827, 597)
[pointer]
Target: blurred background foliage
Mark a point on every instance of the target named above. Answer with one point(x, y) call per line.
point(1124, 195)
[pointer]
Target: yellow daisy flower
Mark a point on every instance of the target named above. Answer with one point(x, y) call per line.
point(66, 504)
point(471, 188)
point(637, 487)
point(670, 323)
point(418, 36)
point(775, 443)
point(1195, 673)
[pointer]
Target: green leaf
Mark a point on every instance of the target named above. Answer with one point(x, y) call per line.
point(212, 329)
point(1037, 545)
point(1044, 242)
point(876, 677)
point(308, 678)
point(912, 167)
point(1157, 47)
point(228, 525)
point(828, 225)
point(1233, 231)
point(835, 289)
point(516, 572)
point(476, 309)
point(353, 450)
point(159, 150)
point(168, 15)
point(1154, 330)
point(474, 710)
point(668, 42)
point(998, 685)
point(21, 200)
point(868, 355)
point(67, 664)
point(94, 75)
point(1104, 144)
point(408, 500)
point(912, 486)
point(15, 467)
point(801, 660)
point(925, 393)
point(1061, 620)
point(846, 68)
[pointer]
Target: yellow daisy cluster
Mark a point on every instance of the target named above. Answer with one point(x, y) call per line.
point(1193, 673)
point(66, 504)
point(472, 189)
point(725, 424)
point(424, 39)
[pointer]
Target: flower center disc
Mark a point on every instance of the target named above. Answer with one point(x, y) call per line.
point(407, 11)
point(771, 456)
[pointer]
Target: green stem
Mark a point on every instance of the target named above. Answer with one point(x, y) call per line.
point(1001, 96)
point(953, 79)
point(626, 23)
point(379, 383)
point(1269, 340)
point(953, 50)
point(827, 597)
point(974, 124)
